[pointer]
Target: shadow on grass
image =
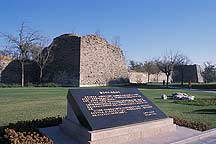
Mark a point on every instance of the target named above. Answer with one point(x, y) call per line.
point(205, 111)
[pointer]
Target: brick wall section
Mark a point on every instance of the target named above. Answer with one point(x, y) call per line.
point(101, 63)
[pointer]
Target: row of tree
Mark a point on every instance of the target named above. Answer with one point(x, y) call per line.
point(26, 45)
point(149, 67)
point(164, 64)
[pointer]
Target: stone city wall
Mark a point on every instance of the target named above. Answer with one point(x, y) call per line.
point(64, 64)
point(78, 61)
point(101, 63)
point(190, 73)
point(12, 73)
point(139, 77)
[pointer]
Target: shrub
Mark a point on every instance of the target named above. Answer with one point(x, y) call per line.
point(2, 85)
point(50, 85)
point(30, 84)
point(27, 131)
point(35, 124)
point(25, 137)
point(194, 125)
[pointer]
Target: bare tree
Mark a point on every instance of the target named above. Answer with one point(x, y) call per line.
point(41, 54)
point(167, 63)
point(209, 73)
point(136, 66)
point(148, 67)
point(21, 44)
point(155, 69)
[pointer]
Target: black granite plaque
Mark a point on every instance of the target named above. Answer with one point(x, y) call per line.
point(112, 107)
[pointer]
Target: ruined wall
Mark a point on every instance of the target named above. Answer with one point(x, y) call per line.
point(12, 73)
point(101, 63)
point(190, 72)
point(159, 77)
point(63, 67)
point(117, 69)
point(199, 74)
point(78, 61)
point(93, 61)
point(139, 77)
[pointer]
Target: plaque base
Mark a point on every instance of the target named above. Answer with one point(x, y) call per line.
point(118, 135)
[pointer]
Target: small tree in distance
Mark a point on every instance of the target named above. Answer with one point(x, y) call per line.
point(41, 55)
point(167, 62)
point(136, 66)
point(20, 45)
point(155, 69)
point(148, 67)
point(209, 73)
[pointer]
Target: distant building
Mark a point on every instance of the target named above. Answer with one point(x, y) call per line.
point(188, 73)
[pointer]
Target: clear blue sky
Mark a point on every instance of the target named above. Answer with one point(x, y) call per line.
point(147, 28)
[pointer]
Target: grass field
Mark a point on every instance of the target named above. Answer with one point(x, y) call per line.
point(35, 103)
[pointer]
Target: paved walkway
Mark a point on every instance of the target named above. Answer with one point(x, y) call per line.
point(209, 140)
point(181, 136)
point(206, 137)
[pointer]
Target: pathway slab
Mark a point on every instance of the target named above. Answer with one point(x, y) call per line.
point(176, 137)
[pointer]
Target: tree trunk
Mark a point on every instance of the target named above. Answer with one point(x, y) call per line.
point(148, 77)
point(41, 75)
point(167, 82)
point(157, 77)
point(22, 73)
point(182, 76)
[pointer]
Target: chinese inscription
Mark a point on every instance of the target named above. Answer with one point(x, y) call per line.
point(115, 103)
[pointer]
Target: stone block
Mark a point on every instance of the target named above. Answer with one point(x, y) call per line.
point(118, 135)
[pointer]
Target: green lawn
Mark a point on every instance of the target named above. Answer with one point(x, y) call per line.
point(35, 103)
point(187, 112)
